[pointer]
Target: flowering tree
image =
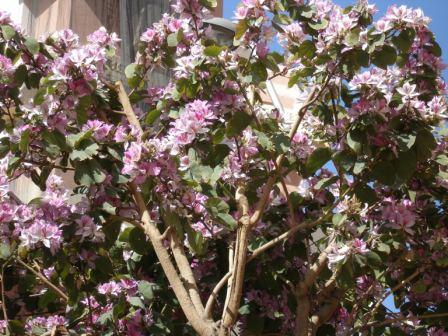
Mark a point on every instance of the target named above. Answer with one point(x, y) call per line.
point(181, 222)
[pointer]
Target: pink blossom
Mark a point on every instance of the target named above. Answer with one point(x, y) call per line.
point(88, 229)
point(42, 232)
point(46, 323)
point(294, 32)
point(110, 288)
point(399, 215)
point(360, 246)
point(100, 129)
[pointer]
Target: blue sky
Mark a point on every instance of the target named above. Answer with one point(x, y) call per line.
point(436, 9)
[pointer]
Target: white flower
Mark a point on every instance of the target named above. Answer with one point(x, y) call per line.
point(407, 91)
point(304, 188)
point(337, 255)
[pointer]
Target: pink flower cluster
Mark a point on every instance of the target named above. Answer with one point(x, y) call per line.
point(192, 122)
point(399, 215)
point(44, 323)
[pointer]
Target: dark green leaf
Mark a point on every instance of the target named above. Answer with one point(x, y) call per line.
point(240, 29)
point(239, 121)
point(365, 194)
point(403, 41)
point(384, 57)
point(425, 143)
point(152, 116)
point(384, 172)
point(138, 242)
point(317, 159)
point(373, 259)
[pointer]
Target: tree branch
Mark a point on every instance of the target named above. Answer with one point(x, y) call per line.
point(42, 277)
point(401, 318)
point(186, 271)
point(201, 326)
point(311, 99)
point(272, 243)
point(230, 311)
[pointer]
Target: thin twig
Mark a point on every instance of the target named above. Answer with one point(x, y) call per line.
point(42, 277)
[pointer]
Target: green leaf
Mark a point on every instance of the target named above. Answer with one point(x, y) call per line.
point(5, 251)
point(382, 247)
point(55, 138)
point(325, 182)
point(32, 45)
point(88, 172)
point(404, 40)
point(138, 242)
point(365, 194)
point(172, 219)
point(87, 150)
point(405, 165)
point(384, 57)
point(75, 140)
point(131, 70)
point(419, 287)
point(425, 143)
point(384, 172)
point(227, 220)
point(306, 49)
point(136, 302)
point(373, 259)
point(317, 159)
point(322, 24)
point(152, 116)
point(352, 38)
point(106, 318)
point(21, 75)
point(339, 219)
point(217, 155)
point(442, 159)
point(209, 3)
point(216, 205)
point(355, 139)
point(104, 265)
point(39, 97)
point(282, 19)
point(344, 159)
point(25, 141)
point(196, 241)
point(358, 167)
point(213, 50)
point(240, 29)
point(239, 121)
point(146, 289)
point(8, 32)
point(244, 310)
point(259, 72)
